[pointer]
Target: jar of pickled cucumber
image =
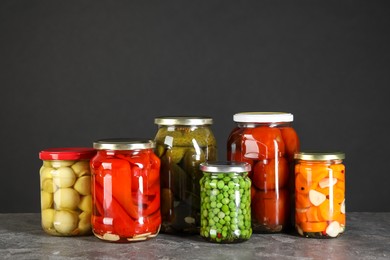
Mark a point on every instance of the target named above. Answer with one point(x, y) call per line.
point(183, 143)
point(320, 194)
point(225, 202)
point(267, 141)
point(66, 201)
point(125, 190)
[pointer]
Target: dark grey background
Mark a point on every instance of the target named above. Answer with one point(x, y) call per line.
point(72, 72)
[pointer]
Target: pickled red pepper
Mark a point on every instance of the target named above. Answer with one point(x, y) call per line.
point(126, 195)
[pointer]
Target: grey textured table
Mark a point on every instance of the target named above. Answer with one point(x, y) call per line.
point(367, 237)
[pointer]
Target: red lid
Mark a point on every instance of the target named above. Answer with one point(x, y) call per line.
point(67, 153)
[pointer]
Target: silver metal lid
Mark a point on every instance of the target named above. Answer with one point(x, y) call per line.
point(319, 156)
point(225, 167)
point(184, 120)
point(123, 144)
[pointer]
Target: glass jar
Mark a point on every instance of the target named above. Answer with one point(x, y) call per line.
point(65, 181)
point(320, 194)
point(182, 143)
point(225, 203)
point(267, 141)
point(125, 190)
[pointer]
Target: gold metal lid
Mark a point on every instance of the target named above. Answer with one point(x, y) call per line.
point(183, 120)
point(123, 144)
point(225, 167)
point(319, 156)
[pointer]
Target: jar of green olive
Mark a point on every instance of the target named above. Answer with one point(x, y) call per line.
point(66, 201)
point(225, 202)
point(182, 143)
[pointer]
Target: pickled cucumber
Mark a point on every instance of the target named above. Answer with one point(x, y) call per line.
point(182, 149)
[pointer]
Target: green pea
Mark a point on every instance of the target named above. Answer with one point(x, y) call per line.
point(225, 207)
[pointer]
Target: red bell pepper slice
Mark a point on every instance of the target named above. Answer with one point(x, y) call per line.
point(122, 223)
point(116, 173)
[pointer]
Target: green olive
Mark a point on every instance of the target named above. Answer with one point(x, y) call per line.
point(66, 198)
point(86, 203)
point(83, 185)
point(49, 186)
point(46, 173)
point(81, 168)
point(48, 218)
point(61, 163)
point(46, 200)
point(84, 223)
point(64, 177)
point(65, 222)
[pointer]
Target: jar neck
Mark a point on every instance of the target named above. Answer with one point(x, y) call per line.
point(127, 152)
point(337, 161)
point(268, 124)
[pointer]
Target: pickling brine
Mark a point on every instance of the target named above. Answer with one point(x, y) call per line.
point(182, 143)
point(126, 190)
point(320, 194)
point(267, 141)
point(66, 201)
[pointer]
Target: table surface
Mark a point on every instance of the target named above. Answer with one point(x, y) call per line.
point(367, 237)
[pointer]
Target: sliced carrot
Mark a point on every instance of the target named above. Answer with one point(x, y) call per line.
point(328, 210)
point(338, 195)
point(302, 201)
point(313, 226)
point(302, 185)
point(312, 214)
point(340, 218)
point(300, 215)
point(314, 172)
point(324, 191)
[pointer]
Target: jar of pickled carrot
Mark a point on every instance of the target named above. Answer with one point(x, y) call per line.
point(267, 141)
point(125, 190)
point(183, 143)
point(66, 201)
point(320, 194)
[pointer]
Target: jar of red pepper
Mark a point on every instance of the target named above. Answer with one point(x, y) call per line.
point(125, 190)
point(268, 142)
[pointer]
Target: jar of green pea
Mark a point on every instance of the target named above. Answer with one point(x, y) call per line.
point(225, 199)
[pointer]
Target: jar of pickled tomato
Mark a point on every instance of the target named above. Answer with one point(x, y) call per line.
point(320, 194)
point(125, 190)
point(66, 201)
point(182, 143)
point(225, 202)
point(267, 141)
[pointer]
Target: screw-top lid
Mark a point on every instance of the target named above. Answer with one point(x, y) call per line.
point(225, 167)
point(263, 117)
point(123, 144)
point(184, 120)
point(67, 153)
point(319, 156)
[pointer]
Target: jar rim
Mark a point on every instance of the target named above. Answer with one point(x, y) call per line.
point(67, 153)
point(229, 166)
point(263, 117)
point(319, 156)
point(123, 144)
point(183, 120)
